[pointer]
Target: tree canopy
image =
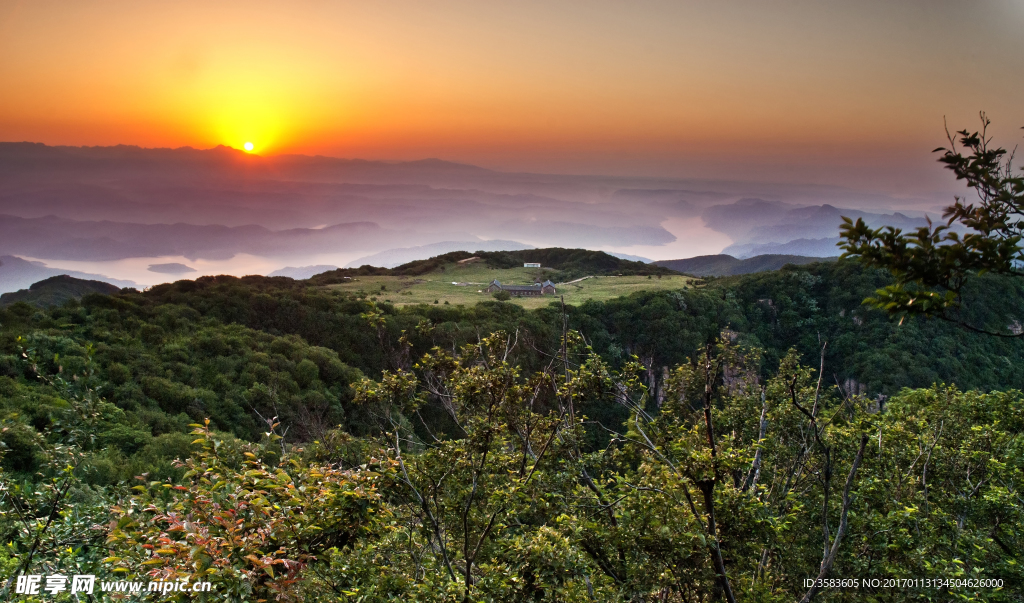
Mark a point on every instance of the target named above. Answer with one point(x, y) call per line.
point(933, 265)
point(722, 442)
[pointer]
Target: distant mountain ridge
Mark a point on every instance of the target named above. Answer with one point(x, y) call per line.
point(56, 238)
point(103, 204)
point(764, 227)
point(819, 248)
point(70, 157)
point(301, 273)
point(727, 265)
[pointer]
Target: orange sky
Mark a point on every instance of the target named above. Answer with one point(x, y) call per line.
point(850, 93)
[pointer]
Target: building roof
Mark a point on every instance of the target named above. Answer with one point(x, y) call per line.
point(520, 287)
point(532, 287)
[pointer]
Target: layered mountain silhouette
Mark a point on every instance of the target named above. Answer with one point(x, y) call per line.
point(761, 227)
point(56, 238)
point(178, 206)
point(302, 272)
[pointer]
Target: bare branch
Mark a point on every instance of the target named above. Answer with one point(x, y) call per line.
point(829, 559)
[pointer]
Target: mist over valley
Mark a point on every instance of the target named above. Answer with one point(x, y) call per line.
point(119, 211)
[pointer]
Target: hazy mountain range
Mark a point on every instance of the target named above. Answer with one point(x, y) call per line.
point(151, 215)
point(761, 227)
point(17, 274)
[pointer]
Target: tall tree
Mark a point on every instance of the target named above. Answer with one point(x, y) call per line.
point(934, 266)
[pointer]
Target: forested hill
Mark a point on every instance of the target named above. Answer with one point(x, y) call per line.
point(726, 265)
point(224, 347)
point(56, 290)
point(293, 421)
point(571, 264)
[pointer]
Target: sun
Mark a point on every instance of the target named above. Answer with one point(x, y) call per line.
point(248, 147)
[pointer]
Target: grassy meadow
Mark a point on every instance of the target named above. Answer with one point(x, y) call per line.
point(438, 286)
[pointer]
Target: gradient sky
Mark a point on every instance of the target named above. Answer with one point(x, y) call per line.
point(848, 93)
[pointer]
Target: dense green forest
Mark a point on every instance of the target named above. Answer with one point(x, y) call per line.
point(726, 441)
point(726, 265)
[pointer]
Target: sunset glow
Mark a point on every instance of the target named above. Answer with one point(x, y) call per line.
point(377, 287)
point(825, 93)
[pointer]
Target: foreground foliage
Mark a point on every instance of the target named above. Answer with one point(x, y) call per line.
point(289, 443)
point(732, 489)
point(249, 525)
point(934, 265)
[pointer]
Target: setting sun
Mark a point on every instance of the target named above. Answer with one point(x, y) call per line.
point(248, 147)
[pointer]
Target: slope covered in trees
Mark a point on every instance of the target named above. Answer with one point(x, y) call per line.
point(56, 290)
point(727, 265)
point(724, 441)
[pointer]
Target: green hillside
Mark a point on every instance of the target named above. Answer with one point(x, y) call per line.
point(56, 290)
point(460, 277)
point(466, 283)
point(567, 264)
point(382, 451)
